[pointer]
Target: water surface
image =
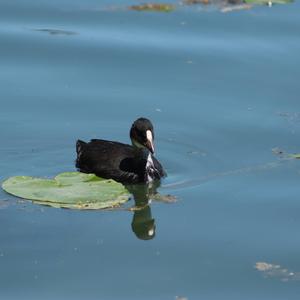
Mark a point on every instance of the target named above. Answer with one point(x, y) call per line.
point(222, 91)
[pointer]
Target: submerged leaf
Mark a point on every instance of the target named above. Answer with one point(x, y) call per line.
point(69, 190)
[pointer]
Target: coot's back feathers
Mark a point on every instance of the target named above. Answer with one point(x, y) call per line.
point(105, 159)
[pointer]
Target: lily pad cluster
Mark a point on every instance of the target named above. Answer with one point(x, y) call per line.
point(69, 190)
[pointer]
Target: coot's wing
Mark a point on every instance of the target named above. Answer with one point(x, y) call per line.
point(104, 158)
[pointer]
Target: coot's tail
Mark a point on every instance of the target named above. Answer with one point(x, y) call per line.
point(80, 145)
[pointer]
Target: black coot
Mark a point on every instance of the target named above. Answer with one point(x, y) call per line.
point(121, 162)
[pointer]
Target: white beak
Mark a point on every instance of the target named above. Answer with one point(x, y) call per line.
point(149, 144)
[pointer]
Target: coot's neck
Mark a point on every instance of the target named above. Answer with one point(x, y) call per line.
point(141, 153)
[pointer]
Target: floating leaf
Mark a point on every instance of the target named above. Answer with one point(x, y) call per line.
point(159, 7)
point(297, 156)
point(69, 190)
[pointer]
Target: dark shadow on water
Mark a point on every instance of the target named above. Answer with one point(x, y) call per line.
point(55, 31)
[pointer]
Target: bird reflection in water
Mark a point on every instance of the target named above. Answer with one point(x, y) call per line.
point(143, 224)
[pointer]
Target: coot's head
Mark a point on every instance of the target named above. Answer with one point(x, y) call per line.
point(142, 134)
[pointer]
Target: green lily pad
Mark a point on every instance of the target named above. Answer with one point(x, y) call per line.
point(69, 190)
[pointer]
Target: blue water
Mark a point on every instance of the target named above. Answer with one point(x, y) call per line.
point(222, 90)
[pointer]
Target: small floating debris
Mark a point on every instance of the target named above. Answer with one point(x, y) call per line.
point(285, 155)
point(55, 31)
point(193, 2)
point(224, 5)
point(163, 198)
point(277, 271)
point(277, 151)
point(231, 5)
point(268, 2)
point(181, 298)
point(157, 7)
point(221, 5)
point(235, 7)
point(213, 2)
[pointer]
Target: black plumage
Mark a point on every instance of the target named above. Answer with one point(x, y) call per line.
point(128, 164)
